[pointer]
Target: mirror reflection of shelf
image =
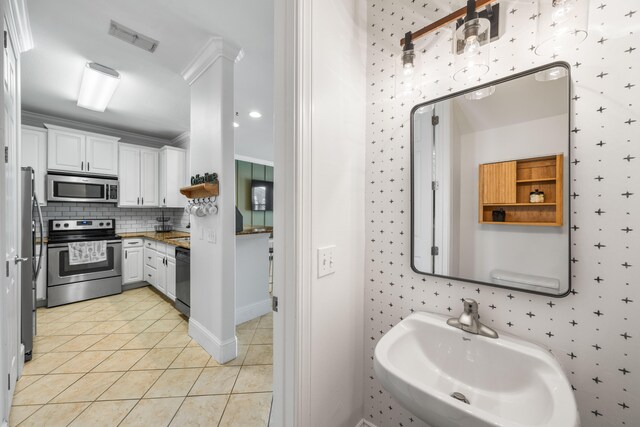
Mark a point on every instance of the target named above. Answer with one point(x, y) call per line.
point(507, 185)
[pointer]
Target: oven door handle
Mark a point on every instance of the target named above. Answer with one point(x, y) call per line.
point(64, 245)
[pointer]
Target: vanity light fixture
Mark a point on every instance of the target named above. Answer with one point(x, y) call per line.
point(97, 87)
point(406, 69)
point(481, 93)
point(475, 31)
point(471, 46)
point(255, 114)
point(562, 26)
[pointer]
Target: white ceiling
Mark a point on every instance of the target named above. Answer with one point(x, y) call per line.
point(513, 102)
point(152, 98)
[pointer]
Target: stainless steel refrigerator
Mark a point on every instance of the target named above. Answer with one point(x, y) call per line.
point(31, 264)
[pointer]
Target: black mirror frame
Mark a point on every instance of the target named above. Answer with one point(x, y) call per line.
point(562, 64)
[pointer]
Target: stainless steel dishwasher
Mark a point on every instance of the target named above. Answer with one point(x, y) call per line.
point(183, 281)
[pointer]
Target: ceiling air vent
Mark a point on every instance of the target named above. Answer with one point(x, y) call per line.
point(128, 35)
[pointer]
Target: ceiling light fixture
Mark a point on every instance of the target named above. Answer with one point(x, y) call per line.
point(97, 87)
point(255, 115)
point(480, 93)
point(236, 125)
point(562, 26)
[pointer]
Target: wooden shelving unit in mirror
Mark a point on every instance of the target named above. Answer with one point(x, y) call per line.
point(513, 188)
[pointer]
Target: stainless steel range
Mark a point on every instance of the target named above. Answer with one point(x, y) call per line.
point(72, 277)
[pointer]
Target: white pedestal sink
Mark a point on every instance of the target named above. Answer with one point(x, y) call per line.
point(507, 381)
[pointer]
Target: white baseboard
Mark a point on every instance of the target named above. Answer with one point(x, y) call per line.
point(365, 423)
point(222, 352)
point(248, 312)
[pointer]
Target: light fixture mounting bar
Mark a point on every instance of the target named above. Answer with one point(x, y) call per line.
point(460, 13)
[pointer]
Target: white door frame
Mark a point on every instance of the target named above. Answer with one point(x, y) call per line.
point(16, 16)
point(292, 213)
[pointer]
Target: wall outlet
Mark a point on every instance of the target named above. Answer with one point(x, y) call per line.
point(211, 235)
point(326, 261)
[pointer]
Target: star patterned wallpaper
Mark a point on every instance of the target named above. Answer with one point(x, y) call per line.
point(594, 331)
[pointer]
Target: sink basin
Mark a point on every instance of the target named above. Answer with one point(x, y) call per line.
point(507, 382)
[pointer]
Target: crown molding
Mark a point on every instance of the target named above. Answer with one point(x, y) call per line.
point(213, 49)
point(38, 119)
point(181, 139)
point(19, 25)
point(253, 160)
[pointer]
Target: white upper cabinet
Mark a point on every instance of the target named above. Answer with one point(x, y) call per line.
point(138, 176)
point(66, 151)
point(34, 154)
point(172, 177)
point(102, 155)
point(149, 177)
point(129, 175)
point(71, 150)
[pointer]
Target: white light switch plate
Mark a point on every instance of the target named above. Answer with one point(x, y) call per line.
point(326, 261)
point(211, 235)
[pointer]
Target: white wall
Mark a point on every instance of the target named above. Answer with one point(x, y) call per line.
point(338, 56)
point(539, 251)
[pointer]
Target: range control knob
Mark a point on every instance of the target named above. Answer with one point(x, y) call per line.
point(66, 225)
point(101, 224)
point(108, 224)
point(57, 225)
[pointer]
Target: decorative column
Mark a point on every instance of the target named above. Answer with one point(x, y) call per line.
point(213, 240)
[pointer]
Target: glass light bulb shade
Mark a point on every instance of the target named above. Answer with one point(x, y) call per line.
point(562, 26)
point(550, 74)
point(471, 49)
point(480, 93)
point(407, 76)
point(97, 87)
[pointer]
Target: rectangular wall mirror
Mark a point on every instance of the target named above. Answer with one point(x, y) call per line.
point(490, 183)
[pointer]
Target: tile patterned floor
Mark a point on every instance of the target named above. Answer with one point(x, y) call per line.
point(127, 360)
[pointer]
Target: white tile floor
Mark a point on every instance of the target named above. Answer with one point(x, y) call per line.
point(127, 360)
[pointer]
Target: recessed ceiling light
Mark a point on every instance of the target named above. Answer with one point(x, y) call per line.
point(255, 115)
point(236, 125)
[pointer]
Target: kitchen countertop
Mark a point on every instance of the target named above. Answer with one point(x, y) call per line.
point(255, 230)
point(169, 236)
point(166, 237)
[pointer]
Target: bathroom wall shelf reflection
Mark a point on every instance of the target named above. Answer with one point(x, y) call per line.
point(520, 204)
point(198, 191)
point(507, 186)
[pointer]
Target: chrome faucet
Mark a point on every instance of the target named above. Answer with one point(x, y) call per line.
point(469, 320)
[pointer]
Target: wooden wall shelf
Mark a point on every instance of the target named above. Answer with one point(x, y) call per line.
point(208, 189)
point(506, 185)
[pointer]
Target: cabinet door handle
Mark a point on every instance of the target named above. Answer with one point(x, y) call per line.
point(143, 200)
point(138, 202)
point(164, 200)
point(81, 166)
point(125, 254)
point(88, 166)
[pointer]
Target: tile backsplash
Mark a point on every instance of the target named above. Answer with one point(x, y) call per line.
point(127, 219)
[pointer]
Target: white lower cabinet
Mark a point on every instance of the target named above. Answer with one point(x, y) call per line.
point(132, 262)
point(160, 267)
point(161, 284)
point(171, 277)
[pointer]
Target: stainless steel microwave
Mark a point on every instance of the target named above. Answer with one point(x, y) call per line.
point(71, 188)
